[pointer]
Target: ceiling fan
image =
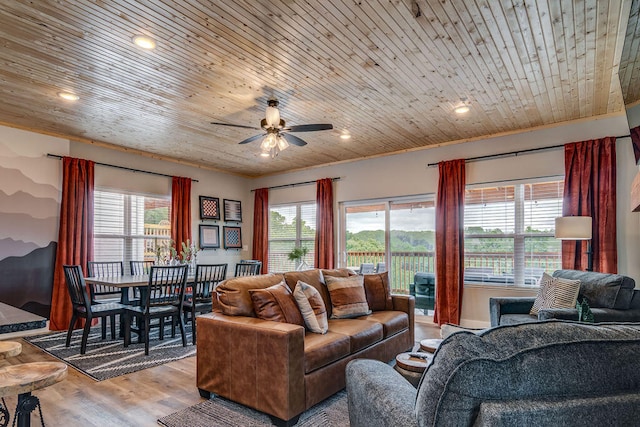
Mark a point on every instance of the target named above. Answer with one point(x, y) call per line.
point(277, 136)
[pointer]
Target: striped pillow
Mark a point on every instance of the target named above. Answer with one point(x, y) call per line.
point(555, 292)
point(348, 298)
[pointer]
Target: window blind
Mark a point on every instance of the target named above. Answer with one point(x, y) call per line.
point(509, 232)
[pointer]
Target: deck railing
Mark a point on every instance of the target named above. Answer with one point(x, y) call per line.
point(404, 265)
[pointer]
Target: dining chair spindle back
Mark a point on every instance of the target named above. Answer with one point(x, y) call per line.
point(248, 268)
point(161, 298)
point(199, 300)
point(104, 269)
point(83, 309)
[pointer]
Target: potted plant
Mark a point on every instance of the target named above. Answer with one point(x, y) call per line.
point(297, 255)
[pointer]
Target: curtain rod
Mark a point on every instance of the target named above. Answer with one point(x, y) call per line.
point(514, 153)
point(295, 184)
point(55, 156)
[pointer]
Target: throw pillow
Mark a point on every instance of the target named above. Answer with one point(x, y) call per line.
point(555, 292)
point(378, 291)
point(233, 294)
point(276, 303)
point(311, 307)
point(348, 298)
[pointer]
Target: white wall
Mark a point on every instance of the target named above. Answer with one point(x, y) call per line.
point(407, 174)
point(211, 183)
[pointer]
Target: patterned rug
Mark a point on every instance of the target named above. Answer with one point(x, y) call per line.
point(108, 358)
point(219, 412)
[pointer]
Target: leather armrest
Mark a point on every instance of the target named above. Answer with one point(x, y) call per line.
point(508, 305)
point(407, 304)
point(254, 362)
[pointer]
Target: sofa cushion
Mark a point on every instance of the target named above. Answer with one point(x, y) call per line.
point(311, 307)
point(555, 292)
point(311, 277)
point(321, 350)
point(602, 289)
point(276, 303)
point(392, 321)
point(515, 319)
point(233, 294)
point(378, 291)
point(348, 298)
point(361, 333)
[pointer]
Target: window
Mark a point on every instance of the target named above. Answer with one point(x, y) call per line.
point(291, 226)
point(509, 232)
point(397, 235)
point(130, 226)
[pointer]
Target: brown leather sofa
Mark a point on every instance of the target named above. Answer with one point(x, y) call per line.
point(279, 368)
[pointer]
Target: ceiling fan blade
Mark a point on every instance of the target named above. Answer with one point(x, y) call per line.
point(294, 140)
point(235, 126)
point(253, 138)
point(309, 128)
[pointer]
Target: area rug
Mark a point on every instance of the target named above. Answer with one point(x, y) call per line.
point(219, 412)
point(108, 358)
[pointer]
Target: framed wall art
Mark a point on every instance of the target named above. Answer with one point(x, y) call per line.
point(232, 211)
point(209, 236)
point(232, 237)
point(209, 207)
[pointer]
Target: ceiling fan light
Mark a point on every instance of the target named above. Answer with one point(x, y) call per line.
point(272, 115)
point(282, 143)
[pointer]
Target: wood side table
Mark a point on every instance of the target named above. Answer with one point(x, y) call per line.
point(430, 345)
point(411, 367)
point(9, 349)
point(23, 379)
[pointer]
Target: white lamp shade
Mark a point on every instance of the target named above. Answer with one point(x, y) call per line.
point(272, 116)
point(573, 228)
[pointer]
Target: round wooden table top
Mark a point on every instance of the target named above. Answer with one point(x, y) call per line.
point(9, 349)
point(430, 345)
point(27, 377)
point(414, 364)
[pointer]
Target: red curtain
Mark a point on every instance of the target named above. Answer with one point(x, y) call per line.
point(450, 242)
point(324, 248)
point(180, 211)
point(590, 190)
point(635, 141)
point(75, 235)
point(261, 227)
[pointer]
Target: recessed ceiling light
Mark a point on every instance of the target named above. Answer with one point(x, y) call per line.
point(144, 42)
point(345, 136)
point(68, 96)
point(264, 154)
point(461, 109)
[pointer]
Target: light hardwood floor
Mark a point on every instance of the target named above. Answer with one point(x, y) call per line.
point(136, 399)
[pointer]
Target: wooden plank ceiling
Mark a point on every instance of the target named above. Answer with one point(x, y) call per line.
point(388, 72)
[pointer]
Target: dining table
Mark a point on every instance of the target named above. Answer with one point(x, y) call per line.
point(122, 282)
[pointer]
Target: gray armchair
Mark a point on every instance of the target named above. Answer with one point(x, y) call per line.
point(612, 298)
point(543, 373)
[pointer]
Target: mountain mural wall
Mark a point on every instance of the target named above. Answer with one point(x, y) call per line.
point(29, 214)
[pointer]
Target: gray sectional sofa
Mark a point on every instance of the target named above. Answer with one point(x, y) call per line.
point(612, 298)
point(544, 373)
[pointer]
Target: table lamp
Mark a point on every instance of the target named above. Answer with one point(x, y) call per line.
point(576, 228)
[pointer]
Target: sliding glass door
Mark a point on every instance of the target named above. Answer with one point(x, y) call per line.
point(396, 235)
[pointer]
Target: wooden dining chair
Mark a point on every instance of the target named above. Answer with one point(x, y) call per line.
point(140, 267)
point(248, 268)
point(105, 269)
point(161, 298)
point(83, 309)
point(200, 298)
